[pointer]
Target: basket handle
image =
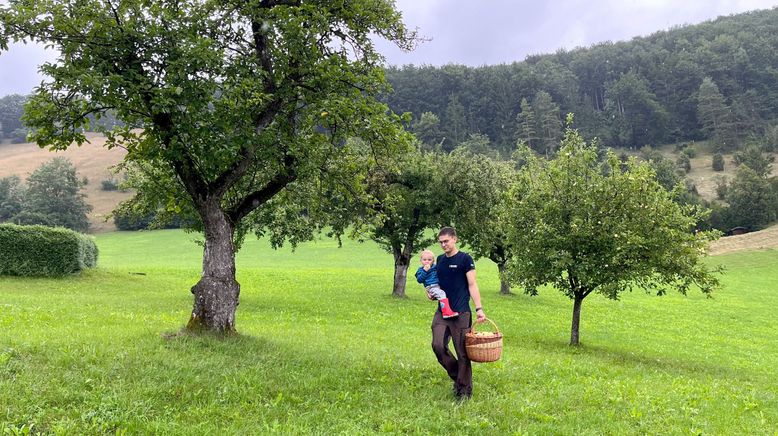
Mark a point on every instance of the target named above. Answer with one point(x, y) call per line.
point(472, 328)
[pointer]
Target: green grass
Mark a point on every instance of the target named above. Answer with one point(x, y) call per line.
point(323, 348)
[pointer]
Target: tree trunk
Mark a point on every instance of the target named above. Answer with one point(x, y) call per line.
point(576, 319)
point(401, 263)
point(505, 287)
point(216, 294)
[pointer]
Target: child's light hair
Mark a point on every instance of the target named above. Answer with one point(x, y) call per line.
point(421, 256)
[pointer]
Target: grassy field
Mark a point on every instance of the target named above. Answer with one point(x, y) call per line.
point(325, 349)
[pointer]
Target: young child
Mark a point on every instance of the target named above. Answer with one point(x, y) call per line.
point(428, 275)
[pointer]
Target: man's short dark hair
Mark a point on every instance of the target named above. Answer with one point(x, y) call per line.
point(448, 231)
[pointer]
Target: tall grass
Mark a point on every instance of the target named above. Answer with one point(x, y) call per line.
point(324, 348)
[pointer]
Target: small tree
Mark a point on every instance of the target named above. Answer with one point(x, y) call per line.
point(54, 191)
point(751, 199)
point(585, 226)
point(684, 163)
point(479, 186)
point(478, 144)
point(407, 202)
point(11, 197)
point(718, 162)
point(753, 157)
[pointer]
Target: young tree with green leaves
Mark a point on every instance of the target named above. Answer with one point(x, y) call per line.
point(753, 158)
point(11, 111)
point(230, 105)
point(11, 197)
point(54, 192)
point(478, 143)
point(585, 226)
point(408, 200)
point(479, 189)
point(752, 201)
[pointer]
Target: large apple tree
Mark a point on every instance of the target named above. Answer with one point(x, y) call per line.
point(231, 107)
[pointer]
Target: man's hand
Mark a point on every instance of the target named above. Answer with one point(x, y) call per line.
point(480, 316)
point(430, 296)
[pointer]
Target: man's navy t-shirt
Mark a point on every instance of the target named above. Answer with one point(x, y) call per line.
point(453, 281)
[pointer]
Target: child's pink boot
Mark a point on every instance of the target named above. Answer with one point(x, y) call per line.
point(445, 310)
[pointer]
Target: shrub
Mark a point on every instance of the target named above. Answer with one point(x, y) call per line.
point(27, 218)
point(126, 220)
point(689, 151)
point(684, 163)
point(110, 185)
point(718, 162)
point(721, 187)
point(44, 251)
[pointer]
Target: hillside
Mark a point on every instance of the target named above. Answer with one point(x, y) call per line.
point(628, 94)
point(763, 239)
point(91, 161)
point(702, 174)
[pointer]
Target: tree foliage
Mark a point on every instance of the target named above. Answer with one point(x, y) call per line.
point(752, 200)
point(54, 193)
point(407, 201)
point(232, 107)
point(477, 188)
point(715, 115)
point(11, 197)
point(11, 111)
point(585, 226)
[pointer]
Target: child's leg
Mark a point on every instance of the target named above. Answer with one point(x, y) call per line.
point(436, 292)
point(439, 295)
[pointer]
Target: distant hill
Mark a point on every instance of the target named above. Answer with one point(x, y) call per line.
point(91, 161)
point(628, 94)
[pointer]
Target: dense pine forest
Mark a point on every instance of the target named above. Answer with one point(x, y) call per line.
point(716, 80)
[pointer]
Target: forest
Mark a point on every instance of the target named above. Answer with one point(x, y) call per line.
point(715, 81)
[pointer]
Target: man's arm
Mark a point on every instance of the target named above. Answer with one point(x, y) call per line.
point(475, 294)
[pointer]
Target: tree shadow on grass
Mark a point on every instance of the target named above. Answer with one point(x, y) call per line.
point(335, 373)
point(609, 356)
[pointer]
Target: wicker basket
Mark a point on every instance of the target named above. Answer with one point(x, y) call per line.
point(484, 347)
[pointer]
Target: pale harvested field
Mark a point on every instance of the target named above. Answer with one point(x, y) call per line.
point(761, 240)
point(704, 177)
point(91, 161)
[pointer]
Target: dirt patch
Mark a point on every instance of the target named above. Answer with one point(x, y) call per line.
point(763, 239)
point(91, 161)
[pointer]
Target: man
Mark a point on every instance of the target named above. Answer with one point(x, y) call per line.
point(456, 275)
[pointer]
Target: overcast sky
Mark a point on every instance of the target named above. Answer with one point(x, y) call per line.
point(485, 32)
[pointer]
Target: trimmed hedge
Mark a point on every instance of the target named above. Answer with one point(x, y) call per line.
point(44, 251)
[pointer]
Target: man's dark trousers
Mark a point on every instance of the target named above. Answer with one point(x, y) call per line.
point(458, 368)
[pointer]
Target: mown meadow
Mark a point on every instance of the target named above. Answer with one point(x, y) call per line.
point(324, 348)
